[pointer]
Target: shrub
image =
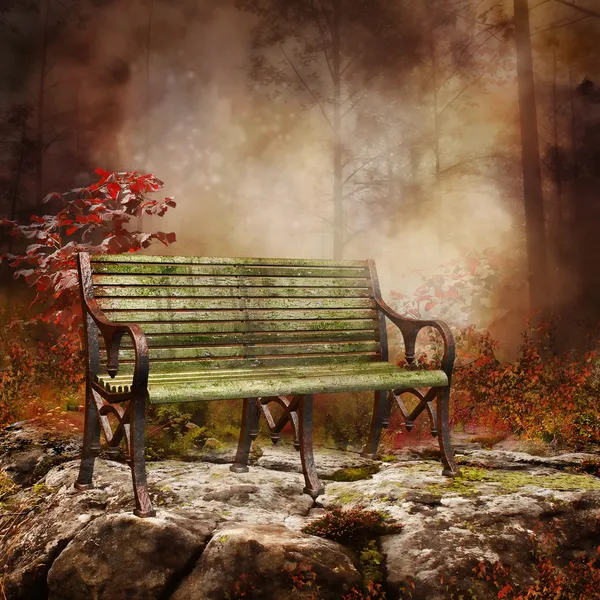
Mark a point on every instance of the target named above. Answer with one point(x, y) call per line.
point(94, 219)
point(556, 577)
point(355, 526)
point(541, 395)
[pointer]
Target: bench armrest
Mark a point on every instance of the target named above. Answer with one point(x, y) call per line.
point(410, 330)
point(113, 334)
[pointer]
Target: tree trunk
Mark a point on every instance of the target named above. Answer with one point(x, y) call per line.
point(147, 120)
point(532, 178)
point(338, 207)
point(39, 171)
point(437, 191)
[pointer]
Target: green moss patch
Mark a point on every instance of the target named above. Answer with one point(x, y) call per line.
point(512, 481)
point(354, 473)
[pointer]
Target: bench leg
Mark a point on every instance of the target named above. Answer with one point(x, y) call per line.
point(137, 456)
point(91, 442)
point(313, 486)
point(249, 431)
point(443, 430)
point(380, 419)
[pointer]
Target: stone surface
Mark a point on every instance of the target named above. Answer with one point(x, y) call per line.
point(264, 556)
point(214, 527)
point(27, 452)
point(122, 557)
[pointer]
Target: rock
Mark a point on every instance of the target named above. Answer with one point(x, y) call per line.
point(262, 556)
point(225, 525)
point(450, 525)
point(328, 461)
point(28, 452)
point(123, 557)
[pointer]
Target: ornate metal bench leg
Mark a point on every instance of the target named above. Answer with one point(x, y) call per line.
point(294, 417)
point(250, 415)
point(379, 420)
point(91, 443)
point(443, 429)
point(137, 455)
point(314, 487)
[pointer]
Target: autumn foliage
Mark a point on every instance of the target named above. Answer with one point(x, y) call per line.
point(543, 394)
point(93, 219)
point(41, 357)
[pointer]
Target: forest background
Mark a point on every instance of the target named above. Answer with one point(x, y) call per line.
point(308, 128)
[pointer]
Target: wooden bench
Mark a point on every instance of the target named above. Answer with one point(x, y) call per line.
point(262, 330)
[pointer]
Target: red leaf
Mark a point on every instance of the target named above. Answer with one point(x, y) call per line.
point(71, 230)
point(113, 190)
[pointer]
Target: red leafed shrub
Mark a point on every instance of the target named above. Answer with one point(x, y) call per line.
point(542, 394)
point(93, 219)
point(555, 577)
point(354, 526)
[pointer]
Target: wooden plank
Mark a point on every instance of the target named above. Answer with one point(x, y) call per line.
point(258, 326)
point(141, 292)
point(135, 316)
point(180, 366)
point(203, 352)
point(262, 385)
point(216, 281)
point(232, 303)
point(271, 371)
point(253, 338)
point(220, 260)
point(166, 269)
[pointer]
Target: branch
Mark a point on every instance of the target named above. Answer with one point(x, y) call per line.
point(361, 167)
point(585, 11)
point(354, 104)
point(316, 15)
point(325, 17)
point(345, 68)
point(464, 89)
point(468, 160)
point(559, 26)
point(458, 62)
point(307, 88)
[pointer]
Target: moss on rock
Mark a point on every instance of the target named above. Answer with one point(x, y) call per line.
point(355, 473)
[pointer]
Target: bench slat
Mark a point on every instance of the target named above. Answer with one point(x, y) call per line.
point(137, 316)
point(269, 383)
point(169, 269)
point(198, 280)
point(258, 326)
point(220, 260)
point(231, 303)
point(326, 368)
point(141, 292)
point(175, 366)
point(259, 350)
point(252, 338)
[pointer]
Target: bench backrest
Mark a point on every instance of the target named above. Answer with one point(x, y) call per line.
point(241, 312)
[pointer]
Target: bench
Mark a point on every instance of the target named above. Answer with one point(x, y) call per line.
point(177, 329)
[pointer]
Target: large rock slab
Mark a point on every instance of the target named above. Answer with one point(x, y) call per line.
point(122, 557)
point(450, 525)
point(28, 452)
point(261, 558)
point(83, 544)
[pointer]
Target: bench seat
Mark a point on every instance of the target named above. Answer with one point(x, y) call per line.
point(194, 382)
